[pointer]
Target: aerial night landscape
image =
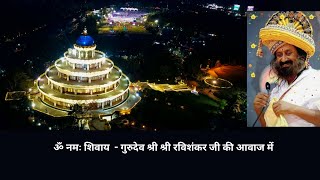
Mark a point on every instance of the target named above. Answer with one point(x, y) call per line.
point(123, 65)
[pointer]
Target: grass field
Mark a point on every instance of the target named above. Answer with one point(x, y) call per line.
point(118, 29)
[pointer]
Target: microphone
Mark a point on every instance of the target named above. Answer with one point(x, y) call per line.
point(268, 87)
point(268, 90)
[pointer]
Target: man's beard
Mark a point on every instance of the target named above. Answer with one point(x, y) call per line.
point(285, 72)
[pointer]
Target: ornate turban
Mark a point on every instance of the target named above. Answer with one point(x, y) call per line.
point(291, 27)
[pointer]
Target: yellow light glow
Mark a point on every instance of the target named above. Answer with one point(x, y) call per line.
point(253, 16)
point(311, 16)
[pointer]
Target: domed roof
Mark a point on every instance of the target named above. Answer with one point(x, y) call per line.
point(85, 39)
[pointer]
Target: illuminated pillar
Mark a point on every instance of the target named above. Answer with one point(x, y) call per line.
point(86, 54)
point(105, 89)
point(73, 65)
point(67, 78)
point(107, 75)
point(114, 85)
point(110, 102)
point(93, 53)
point(54, 103)
point(88, 67)
point(79, 54)
point(51, 86)
point(48, 82)
point(102, 105)
point(91, 91)
point(61, 90)
point(100, 64)
point(42, 97)
point(89, 79)
point(122, 96)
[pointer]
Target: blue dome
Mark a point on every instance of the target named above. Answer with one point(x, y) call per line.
point(84, 40)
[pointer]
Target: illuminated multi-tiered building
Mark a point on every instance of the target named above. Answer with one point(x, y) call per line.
point(84, 76)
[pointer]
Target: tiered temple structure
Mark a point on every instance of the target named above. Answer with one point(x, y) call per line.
point(83, 76)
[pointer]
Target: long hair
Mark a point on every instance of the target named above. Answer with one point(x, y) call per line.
point(302, 56)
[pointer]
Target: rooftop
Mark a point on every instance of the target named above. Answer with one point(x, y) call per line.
point(85, 39)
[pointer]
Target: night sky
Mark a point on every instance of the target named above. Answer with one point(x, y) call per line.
point(20, 14)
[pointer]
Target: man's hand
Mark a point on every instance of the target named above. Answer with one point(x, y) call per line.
point(282, 107)
point(260, 101)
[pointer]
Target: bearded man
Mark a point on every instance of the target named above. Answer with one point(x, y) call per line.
point(295, 101)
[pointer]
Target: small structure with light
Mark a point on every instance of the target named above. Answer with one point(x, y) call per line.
point(250, 8)
point(236, 7)
point(194, 91)
point(218, 82)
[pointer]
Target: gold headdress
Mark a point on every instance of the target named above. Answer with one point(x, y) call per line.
point(292, 27)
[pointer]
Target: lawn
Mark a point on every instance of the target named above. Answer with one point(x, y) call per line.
point(128, 28)
point(173, 110)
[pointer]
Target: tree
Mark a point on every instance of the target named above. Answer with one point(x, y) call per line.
point(81, 112)
point(18, 81)
point(76, 111)
point(237, 103)
point(223, 103)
